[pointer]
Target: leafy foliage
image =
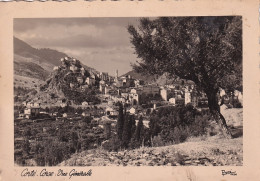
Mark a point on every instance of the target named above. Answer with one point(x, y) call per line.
point(120, 122)
point(50, 142)
point(176, 124)
point(201, 49)
point(205, 50)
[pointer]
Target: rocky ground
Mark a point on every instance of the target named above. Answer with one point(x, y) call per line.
point(214, 151)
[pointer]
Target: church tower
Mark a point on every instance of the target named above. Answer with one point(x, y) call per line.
point(116, 75)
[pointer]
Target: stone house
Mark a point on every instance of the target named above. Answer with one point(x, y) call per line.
point(31, 112)
point(80, 79)
point(56, 68)
point(111, 111)
point(187, 97)
point(134, 98)
point(151, 89)
point(73, 68)
point(90, 81)
point(172, 101)
point(132, 110)
point(84, 103)
point(164, 94)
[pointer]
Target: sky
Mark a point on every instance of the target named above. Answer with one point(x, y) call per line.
point(101, 43)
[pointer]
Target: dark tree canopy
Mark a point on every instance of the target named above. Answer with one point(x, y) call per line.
point(205, 50)
point(120, 122)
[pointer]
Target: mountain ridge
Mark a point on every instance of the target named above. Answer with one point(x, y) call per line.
point(28, 58)
point(159, 80)
point(46, 55)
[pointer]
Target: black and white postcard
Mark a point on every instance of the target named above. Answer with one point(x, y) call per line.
point(129, 90)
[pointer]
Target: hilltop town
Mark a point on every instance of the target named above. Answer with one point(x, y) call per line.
point(89, 104)
point(136, 95)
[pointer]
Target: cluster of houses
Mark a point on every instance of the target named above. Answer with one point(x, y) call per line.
point(83, 79)
point(126, 90)
point(129, 90)
point(31, 110)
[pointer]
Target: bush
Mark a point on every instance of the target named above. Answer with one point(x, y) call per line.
point(200, 125)
point(179, 158)
point(176, 124)
point(237, 104)
point(113, 144)
point(180, 134)
point(158, 141)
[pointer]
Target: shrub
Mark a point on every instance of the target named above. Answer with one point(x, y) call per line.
point(176, 124)
point(200, 125)
point(179, 158)
point(180, 134)
point(113, 144)
point(158, 141)
point(237, 104)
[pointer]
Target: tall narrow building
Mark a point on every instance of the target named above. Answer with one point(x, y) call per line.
point(116, 76)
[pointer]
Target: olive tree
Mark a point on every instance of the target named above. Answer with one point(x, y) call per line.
point(205, 50)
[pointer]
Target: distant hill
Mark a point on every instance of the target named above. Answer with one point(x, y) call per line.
point(42, 72)
point(135, 75)
point(30, 69)
point(160, 80)
point(36, 63)
point(32, 62)
point(43, 55)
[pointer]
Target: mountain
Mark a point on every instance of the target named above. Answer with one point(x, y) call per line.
point(41, 76)
point(43, 55)
point(32, 62)
point(36, 63)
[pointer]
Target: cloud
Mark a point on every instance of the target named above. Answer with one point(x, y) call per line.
point(76, 36)
point(102, 43)
point(28, 24)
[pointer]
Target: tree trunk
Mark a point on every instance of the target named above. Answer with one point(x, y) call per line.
point(215, 111)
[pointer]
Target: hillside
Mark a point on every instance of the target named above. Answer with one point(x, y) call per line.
point(34, 63)
point(42, 72)
point(135, 75)
point(212, 151)
point(43, 55)
point(160, 80)
point(196, 151)
point(30, 70)
point(67, 82)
